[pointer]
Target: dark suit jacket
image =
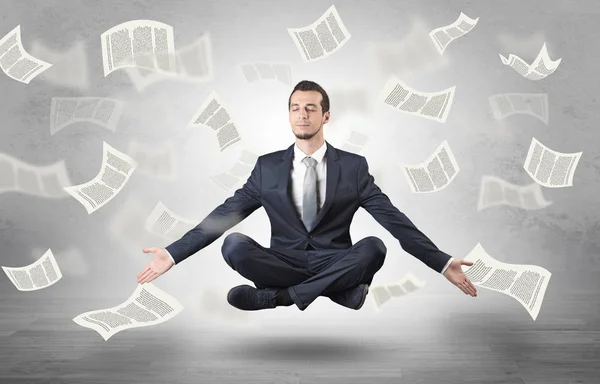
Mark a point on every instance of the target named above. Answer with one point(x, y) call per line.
point(349, 186)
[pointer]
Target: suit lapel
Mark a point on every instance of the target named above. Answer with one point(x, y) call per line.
point(333, 174)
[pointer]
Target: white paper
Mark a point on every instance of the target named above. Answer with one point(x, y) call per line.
point(430, 105)
point(267, 71)
point(148, 305)
point(213, 114)
point(550, 168)
point(139, 43)
point(495, 191)
point(355, 142)
point(72, 261)
point(508, 104)
point(539, 69)
point(435, 173)
point(194, 64)
point(238, 172)
point(382, 293)
point(525, 283)
point(38, 275)
point(195, 60)
point(15, 62)
point(102, 111)
point(114, 173)
point(165, 223)
point(322, 38)
point(443, 36)
point(44, 181)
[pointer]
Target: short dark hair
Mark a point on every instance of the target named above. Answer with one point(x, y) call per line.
point(307, 85)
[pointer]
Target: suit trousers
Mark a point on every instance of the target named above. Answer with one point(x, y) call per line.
point(306, 274)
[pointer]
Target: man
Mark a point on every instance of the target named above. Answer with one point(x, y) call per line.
point(310, 193)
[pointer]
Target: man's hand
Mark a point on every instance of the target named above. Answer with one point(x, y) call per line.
point(159, 265)
point(455, 274)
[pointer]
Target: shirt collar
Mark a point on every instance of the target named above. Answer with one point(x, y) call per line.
point(318, 155)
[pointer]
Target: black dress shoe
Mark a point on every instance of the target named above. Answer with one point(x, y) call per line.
point(352, 298)
point(248, 298)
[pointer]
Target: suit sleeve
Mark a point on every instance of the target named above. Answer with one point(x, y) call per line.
point(411, 239)
point(232, 211)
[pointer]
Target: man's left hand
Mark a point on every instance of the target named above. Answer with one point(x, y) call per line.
point(455, 274)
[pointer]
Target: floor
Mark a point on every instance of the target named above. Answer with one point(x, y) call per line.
point(423, 338)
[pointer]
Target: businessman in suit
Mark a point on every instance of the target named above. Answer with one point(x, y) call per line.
point(310, 192)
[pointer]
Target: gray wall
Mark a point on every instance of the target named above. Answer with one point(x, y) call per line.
point(561, 237)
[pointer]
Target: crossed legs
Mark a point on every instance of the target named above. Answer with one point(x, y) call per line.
point(305, 274)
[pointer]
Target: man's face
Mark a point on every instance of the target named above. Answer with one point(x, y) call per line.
point(306, 114)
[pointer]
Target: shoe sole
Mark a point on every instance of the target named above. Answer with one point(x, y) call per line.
point(364, 298)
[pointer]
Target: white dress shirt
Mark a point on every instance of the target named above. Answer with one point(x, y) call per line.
point(299, 171)
point(297, 179)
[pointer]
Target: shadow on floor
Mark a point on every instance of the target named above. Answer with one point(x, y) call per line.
point(304, 348)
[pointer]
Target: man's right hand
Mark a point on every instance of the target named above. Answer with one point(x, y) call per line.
point(160, 264)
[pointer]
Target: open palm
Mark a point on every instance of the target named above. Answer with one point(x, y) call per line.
point(456, 276)
point(160, 264)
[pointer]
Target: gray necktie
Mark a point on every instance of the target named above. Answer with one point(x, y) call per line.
point(309, 194)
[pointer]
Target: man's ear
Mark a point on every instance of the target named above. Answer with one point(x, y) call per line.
point(326, 117)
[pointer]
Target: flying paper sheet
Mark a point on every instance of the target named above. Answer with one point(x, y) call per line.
point(148, 305)
point(259, 71)
point(384, 293)
point(432, 106)
point(435, 173)
point(236, 174)
point(194, 63)
point(212, 113)
point(139, 43)
point(165, 223)
point(355, 142)
point(114, 173)
point(322, 38)
point(41, 274)
point(550, 168)
point(45, 181)
point(496, 191)
point(102, 111)
point(72, 261)
point(539, 69)
point(443, 36)
point(15, 62)
point(508, 104)
point(525, 283)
